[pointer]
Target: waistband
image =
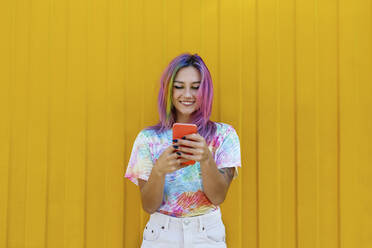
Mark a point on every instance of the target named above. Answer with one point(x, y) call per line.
point(164, 220)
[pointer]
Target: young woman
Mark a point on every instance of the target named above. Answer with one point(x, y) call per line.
point(184, 200)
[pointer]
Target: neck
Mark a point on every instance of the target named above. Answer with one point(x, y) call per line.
point(183, 119)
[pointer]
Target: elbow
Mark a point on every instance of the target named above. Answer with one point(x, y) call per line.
point(217, 201)
point(216, 197)
point(148, 210)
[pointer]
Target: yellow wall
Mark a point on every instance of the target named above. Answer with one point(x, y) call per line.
point(79, 80)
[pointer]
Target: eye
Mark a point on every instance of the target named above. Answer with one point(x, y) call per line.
point(195, 88)
point(178, 87)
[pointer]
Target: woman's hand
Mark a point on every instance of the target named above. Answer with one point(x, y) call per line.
point(197, 146)
point(169, 161)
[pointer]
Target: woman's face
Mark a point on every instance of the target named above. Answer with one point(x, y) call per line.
point(185, 88)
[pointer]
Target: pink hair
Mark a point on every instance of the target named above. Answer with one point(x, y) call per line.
point(167, 112)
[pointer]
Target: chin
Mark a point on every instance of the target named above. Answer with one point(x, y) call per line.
point(181, 109)
point(188, 112)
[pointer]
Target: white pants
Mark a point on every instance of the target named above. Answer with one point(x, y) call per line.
point(204, 231)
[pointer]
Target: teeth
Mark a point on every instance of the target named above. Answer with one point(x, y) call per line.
point(187, 103)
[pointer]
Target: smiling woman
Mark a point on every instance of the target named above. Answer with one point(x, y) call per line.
point(184, 200)
point(185, 89)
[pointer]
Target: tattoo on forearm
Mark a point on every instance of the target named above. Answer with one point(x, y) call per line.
point(228, 173)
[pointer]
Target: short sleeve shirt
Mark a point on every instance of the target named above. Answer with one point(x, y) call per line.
point(183, 189)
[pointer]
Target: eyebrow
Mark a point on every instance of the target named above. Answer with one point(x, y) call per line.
point(176, 81)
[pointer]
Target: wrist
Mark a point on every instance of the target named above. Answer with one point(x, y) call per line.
point(158, 172)
point(207, 160)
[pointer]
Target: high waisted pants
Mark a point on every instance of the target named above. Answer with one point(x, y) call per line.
point(204, 231)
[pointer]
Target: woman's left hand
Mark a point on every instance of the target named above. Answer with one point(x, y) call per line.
point(197, 146)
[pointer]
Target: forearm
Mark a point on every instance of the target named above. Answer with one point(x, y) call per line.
point(214, 183)
point(152, 192)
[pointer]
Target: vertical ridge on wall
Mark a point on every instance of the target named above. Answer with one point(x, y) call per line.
point(355, 92)
point(249, 127)
point(268, 99)
point(37, 143)
point(153, 37)
point(278, 120)
point(72, 43)
point(141, 108)
point(217, 83)
point(134, 101)
point(338, 203)
point(58, 134)
point(257, 126)
point(108, 239)
point(7, 10)
point(348, 150)
point(239, 127)
point(209, 46)
point(96, 230)
point(164, 38)
point(328, 140)
point(202, 28)
point(295, 124)
point(229, 82)
point(286, 80)
point(127, 144)
point(19, 123)
point(307, 125)
point(190, 14)
point(116, 67)
point(317, 122)
point(173, 30)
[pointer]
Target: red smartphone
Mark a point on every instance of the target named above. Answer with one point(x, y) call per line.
point(182, 129)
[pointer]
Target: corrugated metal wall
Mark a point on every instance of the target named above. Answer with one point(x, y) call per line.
point(79, 79)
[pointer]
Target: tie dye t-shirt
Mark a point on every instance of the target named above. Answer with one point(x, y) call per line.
point(183, 189)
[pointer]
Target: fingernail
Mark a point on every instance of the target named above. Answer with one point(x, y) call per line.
point(175, 140)
point(178, 153)
point(184, 137)
point(175, 147)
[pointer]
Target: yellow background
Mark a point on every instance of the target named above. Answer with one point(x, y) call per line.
point(79, 80)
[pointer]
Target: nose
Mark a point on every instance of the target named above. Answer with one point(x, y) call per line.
point(188, 92)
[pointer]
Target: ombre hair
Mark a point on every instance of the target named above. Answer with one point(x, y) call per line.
point(204, 99)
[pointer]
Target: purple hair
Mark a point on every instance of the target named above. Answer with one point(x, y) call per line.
point(204, 99)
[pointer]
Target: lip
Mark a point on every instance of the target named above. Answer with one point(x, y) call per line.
point(187, 105)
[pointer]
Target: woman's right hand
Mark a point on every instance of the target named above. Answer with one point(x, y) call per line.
point(169, 161)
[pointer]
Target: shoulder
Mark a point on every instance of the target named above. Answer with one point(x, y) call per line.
point(151, 135)
point(145, 134)
point(224, 128)
point(223, 132)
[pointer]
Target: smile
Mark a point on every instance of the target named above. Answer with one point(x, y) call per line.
point(187, 103)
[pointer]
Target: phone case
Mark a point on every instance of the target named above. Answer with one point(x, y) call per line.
point(182, 129)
